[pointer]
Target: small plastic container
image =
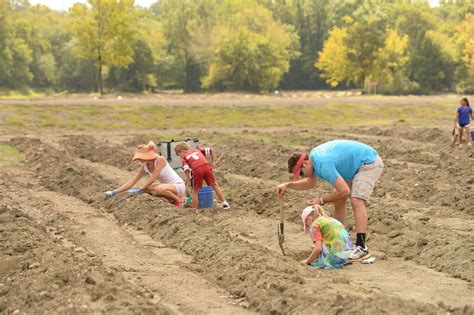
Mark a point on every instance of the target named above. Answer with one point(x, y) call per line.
point(206, 197)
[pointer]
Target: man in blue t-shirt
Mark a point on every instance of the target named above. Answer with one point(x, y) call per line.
point(352, 168)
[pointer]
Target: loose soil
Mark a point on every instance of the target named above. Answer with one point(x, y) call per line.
point(137, 254)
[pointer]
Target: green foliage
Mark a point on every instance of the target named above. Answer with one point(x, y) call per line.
point(465, 72)
point(139, 75)
point(104, 32)
point(249, 52)
point(15, 55)
point(364, 52)
point(9, 156)
point(255, 45)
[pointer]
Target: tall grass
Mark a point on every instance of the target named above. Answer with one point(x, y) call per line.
point(31, 117)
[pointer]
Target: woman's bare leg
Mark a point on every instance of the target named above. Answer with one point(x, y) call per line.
point(167, 191)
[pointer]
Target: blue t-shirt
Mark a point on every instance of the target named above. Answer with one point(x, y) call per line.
point(464, 115)
point(340, 158)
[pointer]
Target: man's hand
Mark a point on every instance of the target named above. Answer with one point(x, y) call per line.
point(281, 189)
point(314, 202)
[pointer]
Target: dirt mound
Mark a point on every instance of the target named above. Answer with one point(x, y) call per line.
point(391, 221)
point(270, 283)
point(85, 147)
point(432, 135)
point(39, 275)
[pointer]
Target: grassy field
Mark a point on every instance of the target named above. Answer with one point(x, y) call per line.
point(9, 156)
point(25, 118)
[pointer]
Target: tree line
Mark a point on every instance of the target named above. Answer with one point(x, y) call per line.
point(252, 45)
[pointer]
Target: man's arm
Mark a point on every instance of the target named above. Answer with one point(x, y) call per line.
point(342, 191)
point(303, 184)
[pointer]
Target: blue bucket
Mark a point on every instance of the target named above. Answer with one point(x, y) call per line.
point(206, 197)
point(472, 135)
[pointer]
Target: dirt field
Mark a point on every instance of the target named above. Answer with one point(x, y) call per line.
point(66, 249)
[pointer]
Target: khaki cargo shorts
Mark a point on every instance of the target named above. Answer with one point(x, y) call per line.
point(365, 179)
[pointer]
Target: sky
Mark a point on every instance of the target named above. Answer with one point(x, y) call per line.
point(66, 4)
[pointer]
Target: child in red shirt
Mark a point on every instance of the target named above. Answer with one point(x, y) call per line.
point(195, 162)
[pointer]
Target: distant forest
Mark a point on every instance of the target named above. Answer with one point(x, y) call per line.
point(401, 47)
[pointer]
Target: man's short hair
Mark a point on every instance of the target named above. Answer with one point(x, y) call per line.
point(294, 158)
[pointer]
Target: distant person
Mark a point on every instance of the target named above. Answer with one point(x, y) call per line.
point(462, 122)
point(162, 180)
point(340, 162)
point(198, 170)
point(331, 244)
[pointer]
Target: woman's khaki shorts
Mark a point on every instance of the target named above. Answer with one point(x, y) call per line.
point(365, 179)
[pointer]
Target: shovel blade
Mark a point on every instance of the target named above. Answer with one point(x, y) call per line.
point(281, 237)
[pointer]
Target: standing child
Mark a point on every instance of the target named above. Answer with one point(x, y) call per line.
point(195, 162)
point(332, 246)
point(463, 121)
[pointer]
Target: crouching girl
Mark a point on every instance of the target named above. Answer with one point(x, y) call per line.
point(332, 246)
point(162, 180)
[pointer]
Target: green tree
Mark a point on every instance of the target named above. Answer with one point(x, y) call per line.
point(139, 75)
point(333, 59)
point(465, 72)
point(432, 61)
point(76, 74)
point(250, 51)
point(186, 25)
point(362, 52)
point(15, 55)
point(104, 32)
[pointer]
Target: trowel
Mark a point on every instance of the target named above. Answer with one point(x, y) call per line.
point(281, 231)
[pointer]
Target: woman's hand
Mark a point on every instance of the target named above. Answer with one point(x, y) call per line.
point(110, 193)
point(281, 189)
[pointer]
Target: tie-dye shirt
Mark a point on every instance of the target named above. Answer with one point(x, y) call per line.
point(335, 242)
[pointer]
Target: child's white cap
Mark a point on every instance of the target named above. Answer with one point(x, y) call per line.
point(304, 215)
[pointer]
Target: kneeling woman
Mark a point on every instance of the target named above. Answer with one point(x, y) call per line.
point(169, 186)
point(332, 246)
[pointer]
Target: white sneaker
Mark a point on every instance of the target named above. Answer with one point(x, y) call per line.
point(225, 205)
point(359, 253)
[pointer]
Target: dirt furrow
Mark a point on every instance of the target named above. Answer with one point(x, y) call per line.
point(144, 260)
point(44, 272)
point(391, 232)
point(269, 282)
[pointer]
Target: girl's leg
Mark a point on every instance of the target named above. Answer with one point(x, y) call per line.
point(468, 136)
point(219, 193)
point(460, 136)
point(167, 191)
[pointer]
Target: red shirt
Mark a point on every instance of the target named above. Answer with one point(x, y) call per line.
point(194, 158)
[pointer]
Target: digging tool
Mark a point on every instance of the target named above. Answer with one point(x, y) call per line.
point(281, 231)
point(217, 161)
point(134, 190)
